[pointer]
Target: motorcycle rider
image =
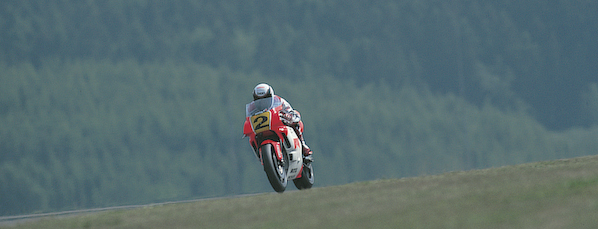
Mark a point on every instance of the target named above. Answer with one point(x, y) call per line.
point(288, 115)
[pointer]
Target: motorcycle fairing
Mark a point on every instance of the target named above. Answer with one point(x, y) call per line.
point(264, 126)
point(294, 153)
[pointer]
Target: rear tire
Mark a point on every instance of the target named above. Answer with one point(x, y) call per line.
point(275, 170)
point(307, 177)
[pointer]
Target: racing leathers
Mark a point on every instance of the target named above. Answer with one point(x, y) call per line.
point(292, 118)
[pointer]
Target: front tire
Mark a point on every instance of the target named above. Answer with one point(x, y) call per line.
point(275, 169)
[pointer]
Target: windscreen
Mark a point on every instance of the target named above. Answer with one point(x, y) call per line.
point(261, 105)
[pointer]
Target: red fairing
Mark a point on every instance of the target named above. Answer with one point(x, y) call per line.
point(277, 122)
point(247, 129)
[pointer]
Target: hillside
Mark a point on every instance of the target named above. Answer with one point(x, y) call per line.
point(550, 194)
point(494, 51)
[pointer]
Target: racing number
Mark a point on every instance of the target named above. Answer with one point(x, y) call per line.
point(261, 122)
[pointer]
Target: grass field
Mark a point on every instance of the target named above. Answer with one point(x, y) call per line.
point(552, 194)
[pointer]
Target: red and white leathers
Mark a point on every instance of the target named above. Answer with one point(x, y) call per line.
point(292, 118)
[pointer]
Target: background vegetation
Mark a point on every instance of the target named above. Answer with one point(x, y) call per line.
point(119, 102)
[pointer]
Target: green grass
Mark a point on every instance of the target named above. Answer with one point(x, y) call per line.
point(553, 194)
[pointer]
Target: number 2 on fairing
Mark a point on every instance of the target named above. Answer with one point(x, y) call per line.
point(261, 122)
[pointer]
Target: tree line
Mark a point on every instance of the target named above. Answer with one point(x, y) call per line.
point(505, 51)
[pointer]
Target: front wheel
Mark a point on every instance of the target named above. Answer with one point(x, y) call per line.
point(307, 177)
point(275, 169)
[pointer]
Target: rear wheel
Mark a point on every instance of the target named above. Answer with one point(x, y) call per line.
point(275, 170)
point(307, 177)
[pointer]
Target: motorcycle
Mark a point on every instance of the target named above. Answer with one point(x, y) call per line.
point(276, 145)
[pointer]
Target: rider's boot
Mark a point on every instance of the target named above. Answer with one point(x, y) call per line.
point(307, 153)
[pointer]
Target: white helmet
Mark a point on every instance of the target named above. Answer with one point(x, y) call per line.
point(262, 91)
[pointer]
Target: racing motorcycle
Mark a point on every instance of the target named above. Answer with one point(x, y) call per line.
point(276, 145)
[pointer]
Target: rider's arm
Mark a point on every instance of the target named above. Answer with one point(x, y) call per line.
point(290, 115)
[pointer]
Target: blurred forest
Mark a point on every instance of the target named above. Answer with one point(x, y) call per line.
point(108, 103)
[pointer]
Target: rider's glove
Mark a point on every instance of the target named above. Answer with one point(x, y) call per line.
point(287, 118)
